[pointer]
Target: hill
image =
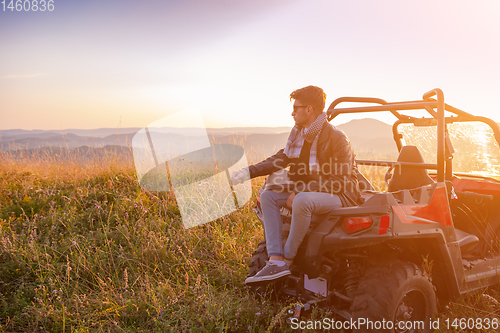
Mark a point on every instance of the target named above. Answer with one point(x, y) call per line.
point(369, 137)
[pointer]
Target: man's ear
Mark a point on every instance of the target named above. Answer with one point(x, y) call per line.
point(311, 112)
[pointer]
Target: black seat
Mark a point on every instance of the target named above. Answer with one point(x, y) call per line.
point(467, 242)
point(408, 177)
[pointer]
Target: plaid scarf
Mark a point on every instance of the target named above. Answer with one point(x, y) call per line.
point(297, 137)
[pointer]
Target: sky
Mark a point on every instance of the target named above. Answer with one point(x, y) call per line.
point(109, 63)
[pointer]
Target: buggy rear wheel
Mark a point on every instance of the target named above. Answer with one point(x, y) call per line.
point(259, 258)
point(258, 261)
point(397, 292)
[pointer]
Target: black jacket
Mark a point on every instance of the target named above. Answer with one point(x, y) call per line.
point(337, 167)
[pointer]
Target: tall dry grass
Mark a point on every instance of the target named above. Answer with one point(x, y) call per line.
point(84, 249)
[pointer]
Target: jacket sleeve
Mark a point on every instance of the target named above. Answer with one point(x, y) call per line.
point(274, 163)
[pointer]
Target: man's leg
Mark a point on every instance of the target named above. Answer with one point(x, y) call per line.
point(304, 205)
point(271, 202)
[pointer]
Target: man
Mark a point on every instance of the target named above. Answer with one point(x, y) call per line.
point(322, 165)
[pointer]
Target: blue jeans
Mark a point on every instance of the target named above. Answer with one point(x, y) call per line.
point(304, 205)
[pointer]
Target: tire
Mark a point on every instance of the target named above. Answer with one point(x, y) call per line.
point(396, 291)
point(259, 258)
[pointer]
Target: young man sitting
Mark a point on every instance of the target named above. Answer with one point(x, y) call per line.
point(322, 165)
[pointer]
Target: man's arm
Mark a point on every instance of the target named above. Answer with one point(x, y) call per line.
point(274, 163)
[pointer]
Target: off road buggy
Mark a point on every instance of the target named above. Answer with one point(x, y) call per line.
point(434, 234)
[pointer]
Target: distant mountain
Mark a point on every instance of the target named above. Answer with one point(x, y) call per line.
point(104, 132)
point(370, 138)
point(366, 128)
point(99, 132)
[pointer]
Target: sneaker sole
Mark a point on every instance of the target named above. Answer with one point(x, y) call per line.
point(253, 279)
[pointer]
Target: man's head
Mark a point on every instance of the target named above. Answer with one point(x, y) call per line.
point(308, 104)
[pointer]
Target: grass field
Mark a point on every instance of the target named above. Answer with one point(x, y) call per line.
point(85, 249)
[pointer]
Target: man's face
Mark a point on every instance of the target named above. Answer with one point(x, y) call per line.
point(301, 113)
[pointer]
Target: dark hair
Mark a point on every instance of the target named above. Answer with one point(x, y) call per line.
point(311, 95)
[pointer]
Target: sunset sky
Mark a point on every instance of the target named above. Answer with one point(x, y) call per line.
point(110, 63)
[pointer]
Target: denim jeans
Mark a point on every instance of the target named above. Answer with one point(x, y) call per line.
point(304, 205)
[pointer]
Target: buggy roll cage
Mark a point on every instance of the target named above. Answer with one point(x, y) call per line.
point(435, 107)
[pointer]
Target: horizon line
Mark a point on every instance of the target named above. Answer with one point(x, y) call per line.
point(192, 127)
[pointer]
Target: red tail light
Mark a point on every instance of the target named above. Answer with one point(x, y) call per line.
point(258, 201)
point(355, 224)
point(384, 224)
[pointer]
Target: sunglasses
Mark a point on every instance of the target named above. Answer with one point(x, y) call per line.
point(296, 107)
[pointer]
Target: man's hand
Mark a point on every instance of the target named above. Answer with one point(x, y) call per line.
point(289, 201)
point(240, 176)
